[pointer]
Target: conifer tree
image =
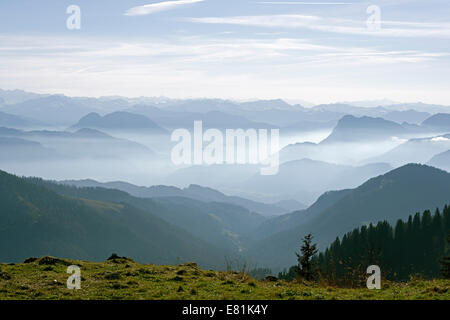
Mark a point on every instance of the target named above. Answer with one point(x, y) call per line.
point(415, 247)
point(445, 262)
point(306, 265)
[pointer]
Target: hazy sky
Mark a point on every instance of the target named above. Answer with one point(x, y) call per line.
point(319, 51)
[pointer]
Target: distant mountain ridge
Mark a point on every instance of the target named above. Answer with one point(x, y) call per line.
point(305, 180)
point(183, 119)
point(441, 160)
point(54, 110)
point(60, 110)
point(353, 129)
point(81, 143)
point(221, 224)
point(440, 121)
point(409, 116)
point(14, 121)
point(18, 96)
point(193, 191)
point(418, 150)
point(120, 121)
point(41, 217)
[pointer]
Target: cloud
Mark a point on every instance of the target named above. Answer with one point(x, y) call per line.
point(333, 25)
point(223, 67)
point(440, 139)
point(304, 3)
point(158, 7)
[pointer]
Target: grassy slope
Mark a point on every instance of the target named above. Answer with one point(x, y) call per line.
point(125, 279)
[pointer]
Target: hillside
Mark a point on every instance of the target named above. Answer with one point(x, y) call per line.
point(123, 279)
point(440, 121)
point(13, 121)
point(193, 191)
point(36, 221)
point(418, 150)
point(441, 160)
point(286, 221)
point(221, 224)
point(390, 197)
point(305, 180)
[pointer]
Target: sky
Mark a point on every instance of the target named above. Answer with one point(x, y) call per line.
point(318, 51)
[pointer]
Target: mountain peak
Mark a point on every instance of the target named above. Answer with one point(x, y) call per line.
point(408, 176)
point(120, 120)
point(438, 121)
point(352, 129)
point(415, 168)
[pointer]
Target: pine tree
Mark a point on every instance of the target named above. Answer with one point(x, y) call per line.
point(306, 265)
point(445, 262)
point(415, 248)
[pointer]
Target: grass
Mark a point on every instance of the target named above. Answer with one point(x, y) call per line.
point(124, 279)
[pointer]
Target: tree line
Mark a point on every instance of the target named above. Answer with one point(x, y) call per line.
point(418, 246)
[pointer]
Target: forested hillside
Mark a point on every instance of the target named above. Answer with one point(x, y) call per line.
point(389, 197)
point(36, 221)
point(412, 247)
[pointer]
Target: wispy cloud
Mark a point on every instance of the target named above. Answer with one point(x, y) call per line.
point(220, 67)
point(304, 3)
point(158, 7)
point(333, 25)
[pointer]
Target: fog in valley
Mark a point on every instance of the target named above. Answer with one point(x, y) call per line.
point(322, 148)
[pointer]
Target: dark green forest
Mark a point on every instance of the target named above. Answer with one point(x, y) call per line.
point(416, 247)
point(412, 247)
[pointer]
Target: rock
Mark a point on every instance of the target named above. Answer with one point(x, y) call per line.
point(271, 278)
point(115, 258)
point(51, 261)
point(190, 264)
point(30, 260)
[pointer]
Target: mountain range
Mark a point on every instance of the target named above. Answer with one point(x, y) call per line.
point(306, 179)
point(56, 110)
point(83, 143)
point(418, 150)
point(42, 217)
point(195, 192)
point(60, 110)
point(363, 129)
point(342, 165)
point(120, 121)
